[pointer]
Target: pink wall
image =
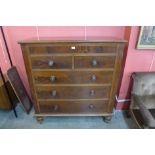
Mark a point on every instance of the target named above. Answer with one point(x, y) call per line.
point(4, 62)
point(136, 60)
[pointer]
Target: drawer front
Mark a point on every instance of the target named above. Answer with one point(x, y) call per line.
point(73, 77)
point(97, 49)
point(94, 62)
point(74, 107)
point(52, 49)
point(72, 92)
point(51, 62)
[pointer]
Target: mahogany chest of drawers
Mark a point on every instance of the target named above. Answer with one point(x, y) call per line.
point(73, 78)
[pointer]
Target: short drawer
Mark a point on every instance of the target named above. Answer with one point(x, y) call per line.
point(51, 62)
point(94, 62)
point(72, 92)
point(54, 49)
point(97, 49)
point(73, 77)
point(74, 107)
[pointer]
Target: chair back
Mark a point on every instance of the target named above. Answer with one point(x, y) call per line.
point(144, 86)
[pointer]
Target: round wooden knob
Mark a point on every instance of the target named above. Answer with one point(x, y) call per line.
point(52, 78)
point(50, 63)
point(92, 92)
point(94, 62)
point(55, 108)
point(91, 106)
point(54, 93)
point(93, 77)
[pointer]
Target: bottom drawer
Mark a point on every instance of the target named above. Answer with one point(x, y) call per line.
point(74, 107)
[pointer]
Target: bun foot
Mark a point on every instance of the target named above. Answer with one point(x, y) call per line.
point(107, 119)
point(39, 119)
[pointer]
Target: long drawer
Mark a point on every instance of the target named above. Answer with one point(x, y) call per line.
point(72, 77)
point(73, 48)
point(74, 107)
point(72, 92)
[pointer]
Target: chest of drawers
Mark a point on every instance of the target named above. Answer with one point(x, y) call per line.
point(73, 78)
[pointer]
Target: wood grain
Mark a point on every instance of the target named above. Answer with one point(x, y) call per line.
point(69, 92)
point(74, 107)
point(73, 77)
point(67, 87)
point(101, 61)
point(42, 62)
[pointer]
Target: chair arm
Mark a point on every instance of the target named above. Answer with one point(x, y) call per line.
point(148, 118)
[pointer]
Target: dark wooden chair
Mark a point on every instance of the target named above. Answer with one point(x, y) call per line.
point(8, 98)
point(142, 107)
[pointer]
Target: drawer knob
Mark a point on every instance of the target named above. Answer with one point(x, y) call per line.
point(55, 108)
point(54, 93)
point(92, 92)
point(94, 63)
point(51, 63)
point(53, 78)
point(93, 77)
point(91, 106)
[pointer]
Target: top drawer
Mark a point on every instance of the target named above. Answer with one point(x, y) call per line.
point(73, 48)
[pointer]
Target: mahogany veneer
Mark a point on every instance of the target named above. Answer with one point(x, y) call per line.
point(73, 77)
